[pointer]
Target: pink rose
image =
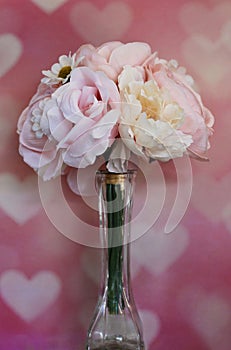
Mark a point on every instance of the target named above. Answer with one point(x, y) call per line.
point(198, 120)
point(73, 126)
point(111, 57)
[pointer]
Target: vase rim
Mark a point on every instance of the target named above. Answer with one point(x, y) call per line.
point(114, 178)
point(106, 172)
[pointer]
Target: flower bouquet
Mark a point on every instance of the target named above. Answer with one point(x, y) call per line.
point(115, 103)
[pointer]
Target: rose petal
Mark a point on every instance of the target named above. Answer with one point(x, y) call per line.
point(131, 53)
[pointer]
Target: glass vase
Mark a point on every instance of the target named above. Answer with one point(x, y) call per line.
point(116, 323)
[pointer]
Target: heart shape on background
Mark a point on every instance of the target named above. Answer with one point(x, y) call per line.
point(215, 73)
point(226, 216)
point(19, 199)
point(212, 205)
point(226, 35)
point(10, 51)
point(196, 18)
point(161, 250)
point(209, 314)
point(151, 324)
point(98, 25)
point(49, 6)
point(29, 298)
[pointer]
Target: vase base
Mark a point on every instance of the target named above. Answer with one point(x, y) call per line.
point(116, 346)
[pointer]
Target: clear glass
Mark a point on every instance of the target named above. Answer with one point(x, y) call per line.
point(116, 323)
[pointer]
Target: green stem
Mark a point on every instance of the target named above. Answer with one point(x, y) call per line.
point(115, 217)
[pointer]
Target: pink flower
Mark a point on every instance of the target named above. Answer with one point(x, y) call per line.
point(35, 137)
point(198, 120)
point(111, 57)
point(71, 127)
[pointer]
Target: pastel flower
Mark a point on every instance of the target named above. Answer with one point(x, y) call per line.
point(60, 72)
point(111, 57)
point(198, 120)
point(91, 102)
point(39, 151)
point(34, 134)
point(172, 65)
point(150, 120)
point(73, 126)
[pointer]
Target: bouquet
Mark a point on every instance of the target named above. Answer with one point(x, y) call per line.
point(112, 104)
point(116, 101)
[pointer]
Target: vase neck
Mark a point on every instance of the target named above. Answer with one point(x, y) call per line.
point(115, 209)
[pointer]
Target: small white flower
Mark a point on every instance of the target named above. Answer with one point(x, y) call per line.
point(39, 121)
point(60, 72)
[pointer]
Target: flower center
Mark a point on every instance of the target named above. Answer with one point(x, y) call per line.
point(155, 106)
point(150, 107)
point(64, 72)
point(150, 100)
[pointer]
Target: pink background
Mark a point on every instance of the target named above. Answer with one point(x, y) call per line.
point(181, 281)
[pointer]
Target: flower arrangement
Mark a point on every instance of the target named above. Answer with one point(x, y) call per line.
point(115, 102)
point(90, 100)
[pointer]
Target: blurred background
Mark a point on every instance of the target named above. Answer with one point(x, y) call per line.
point(181, 281)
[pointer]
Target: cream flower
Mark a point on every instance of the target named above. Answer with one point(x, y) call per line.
point(150, 119)
point(60, 72)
